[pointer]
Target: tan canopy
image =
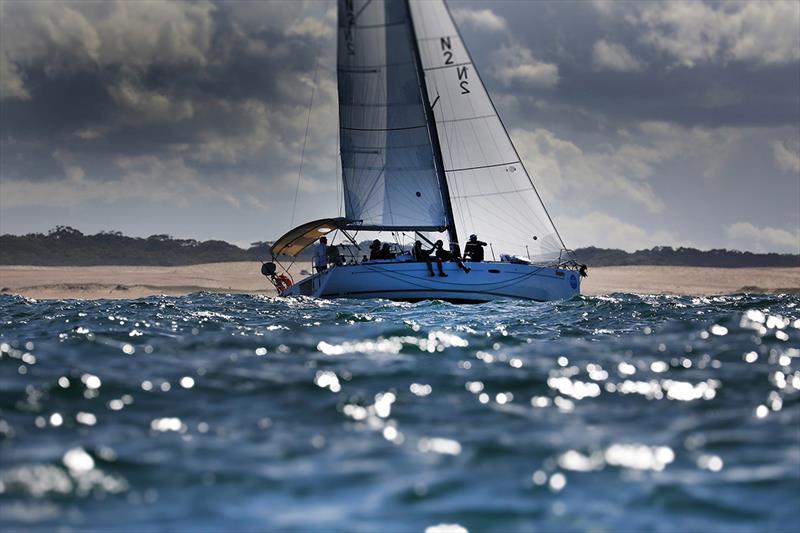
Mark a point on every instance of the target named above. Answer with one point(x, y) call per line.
point(303, 236)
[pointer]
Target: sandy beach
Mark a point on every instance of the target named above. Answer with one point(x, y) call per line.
point(244, 277)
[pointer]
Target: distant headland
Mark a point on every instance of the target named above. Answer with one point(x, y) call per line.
point(66, 246)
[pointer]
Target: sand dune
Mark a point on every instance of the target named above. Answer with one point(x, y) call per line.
point(245, 277)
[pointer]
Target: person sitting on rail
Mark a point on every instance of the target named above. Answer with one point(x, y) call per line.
point(386, 251)
point(320, 260)
point(473, 251)
point(451, 255)
point(334, 256)
point(421, 255)
point(375, 250)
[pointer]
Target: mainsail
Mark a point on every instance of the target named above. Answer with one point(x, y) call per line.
point(390, 180)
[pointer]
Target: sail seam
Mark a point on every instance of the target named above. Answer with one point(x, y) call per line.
point(446, 121)
point(364, 70)
point(388, 168)
point(494, 193)
point(373, 68)
point(448, 66)
point(372, 26)
point(385, 129)
point(378, 149)
point(481, 166)
point(426, 39)
point(407, 104)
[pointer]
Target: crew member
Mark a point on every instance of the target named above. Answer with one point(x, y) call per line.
point(334, 256)
point(321, 255)
point(421, 255)
point(375, 250)
point(386, 251)
point(452, 255)
point(473, 251)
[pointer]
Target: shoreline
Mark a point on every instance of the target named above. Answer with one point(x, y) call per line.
point(130, 282)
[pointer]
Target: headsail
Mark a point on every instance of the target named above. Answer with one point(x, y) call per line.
point(490, 189)
point(390, 181)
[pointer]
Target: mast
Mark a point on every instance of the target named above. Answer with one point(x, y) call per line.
point(452, 235)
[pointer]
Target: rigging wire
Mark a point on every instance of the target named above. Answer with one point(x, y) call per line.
point(305, 140)
point(336, 159)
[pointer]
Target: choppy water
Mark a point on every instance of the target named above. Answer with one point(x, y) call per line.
point(248, 413)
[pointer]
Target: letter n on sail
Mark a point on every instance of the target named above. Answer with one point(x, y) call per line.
point(447, 50)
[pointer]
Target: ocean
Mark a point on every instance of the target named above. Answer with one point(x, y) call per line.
point(247, 413)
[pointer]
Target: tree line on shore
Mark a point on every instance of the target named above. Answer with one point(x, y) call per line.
point(66, 246)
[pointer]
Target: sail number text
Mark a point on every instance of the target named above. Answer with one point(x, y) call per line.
point(462, 71)
point(350, 18)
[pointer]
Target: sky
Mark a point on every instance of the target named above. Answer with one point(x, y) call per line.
point(643, 123)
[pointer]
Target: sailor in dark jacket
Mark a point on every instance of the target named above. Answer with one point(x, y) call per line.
point(452, 255)
point(473, 251)
point(375, 250)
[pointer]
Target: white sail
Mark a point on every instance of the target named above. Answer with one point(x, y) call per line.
point(491, 192)
point(387, 158)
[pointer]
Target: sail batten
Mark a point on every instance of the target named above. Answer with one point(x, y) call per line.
point(454, 65)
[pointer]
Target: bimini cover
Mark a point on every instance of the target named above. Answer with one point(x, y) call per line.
point(303, 236)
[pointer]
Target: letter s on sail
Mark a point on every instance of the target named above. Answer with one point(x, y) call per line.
point(463, 75)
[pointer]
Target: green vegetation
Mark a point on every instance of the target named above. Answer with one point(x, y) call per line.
point(667, 256)
point(65, 246)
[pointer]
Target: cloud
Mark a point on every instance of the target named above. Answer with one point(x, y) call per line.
point(149, 106)
point(621, 170)
point(119, 32)
point(313, 27)
point(612, 56)
point(11, 83)
point(566, 169)
point(516, 65)
point(752, 237)
point(480, 19)
point(606, 231)
point(143, 177)
point(88, 134)
point(73, 172)
point(65, 37)
point(786, 158)
point(222, 88)
point(694, 32)
point(605, 7)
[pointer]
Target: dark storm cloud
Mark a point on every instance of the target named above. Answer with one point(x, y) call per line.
point(725, 92)
point(180, 100)
point(230, 87)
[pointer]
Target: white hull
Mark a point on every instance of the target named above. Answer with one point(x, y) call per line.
point(412, 281)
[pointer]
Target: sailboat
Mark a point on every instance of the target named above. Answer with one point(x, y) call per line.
point(424, 152)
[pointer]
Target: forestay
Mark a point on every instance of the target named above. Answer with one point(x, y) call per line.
point(491, 192)
point(387, 158)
